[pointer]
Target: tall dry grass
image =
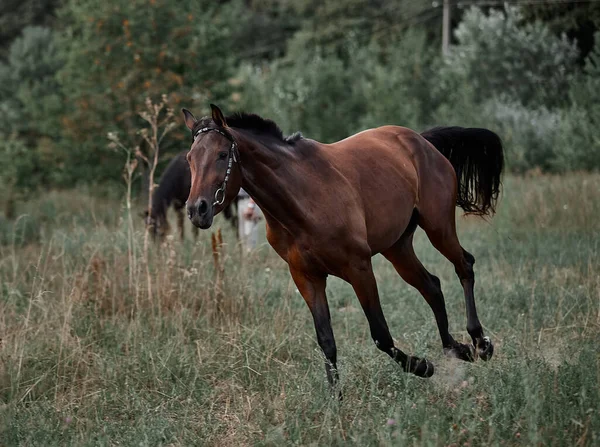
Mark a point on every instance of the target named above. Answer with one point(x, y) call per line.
point(222, 352)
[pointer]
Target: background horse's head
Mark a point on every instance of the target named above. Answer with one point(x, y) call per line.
point(214, 165)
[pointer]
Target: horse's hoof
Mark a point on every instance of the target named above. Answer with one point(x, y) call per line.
point(420, 367)
point(485, 349)
point(461, 351)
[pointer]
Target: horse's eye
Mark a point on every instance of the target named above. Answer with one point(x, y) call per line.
point(222, 155)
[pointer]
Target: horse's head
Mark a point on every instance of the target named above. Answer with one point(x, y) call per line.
point(156, 225)
point(214, 165)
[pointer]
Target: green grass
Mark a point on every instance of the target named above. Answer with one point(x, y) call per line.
point(88, 357)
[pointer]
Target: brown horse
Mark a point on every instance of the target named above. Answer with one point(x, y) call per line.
point(330, 207)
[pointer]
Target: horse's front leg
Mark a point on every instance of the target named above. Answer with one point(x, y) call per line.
point(312, 288)
point(180, 220)
point(360, 275)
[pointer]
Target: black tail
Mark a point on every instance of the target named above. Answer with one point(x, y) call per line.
point(478, 158)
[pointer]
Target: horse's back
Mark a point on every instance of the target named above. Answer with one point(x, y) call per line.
point(392, 170)
point(175, 181)
point(390, 155)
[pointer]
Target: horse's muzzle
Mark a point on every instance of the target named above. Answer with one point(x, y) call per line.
point(201, 213)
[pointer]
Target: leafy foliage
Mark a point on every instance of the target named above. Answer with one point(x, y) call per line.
point(311, 95)
point(30, 104)
point(117, 55)
point(30, 97)
point(329, 98)
point(15, 15)
point(328, 69)
point(400, 82)
point(497, 55)
point(579, 133)
point(578, 20)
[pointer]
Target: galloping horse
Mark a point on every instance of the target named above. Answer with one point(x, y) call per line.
point(173, 189)
point(330, 207)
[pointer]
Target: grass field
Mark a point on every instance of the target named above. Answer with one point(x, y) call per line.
point(90, 356)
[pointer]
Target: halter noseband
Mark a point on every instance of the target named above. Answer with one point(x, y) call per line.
point(232, 157)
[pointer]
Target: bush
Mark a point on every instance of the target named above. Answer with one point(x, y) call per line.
point(329, 97)
point(399, 83)
point(529, 134)
point(30, 98)
point(520, 81)
point(22, 171)
point(30, 104)
point(313, 95)
point(579, 132)
point(117, 54)
point(497, 55)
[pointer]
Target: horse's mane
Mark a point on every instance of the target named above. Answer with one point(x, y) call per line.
point(251, 121)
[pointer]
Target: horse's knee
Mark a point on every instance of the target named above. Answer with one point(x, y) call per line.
point(435, 285)
point(468, 257)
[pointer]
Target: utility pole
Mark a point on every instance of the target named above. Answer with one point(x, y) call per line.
point(446, 28)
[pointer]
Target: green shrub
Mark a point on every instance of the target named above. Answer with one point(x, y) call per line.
point(398, 84)
point(579, 132)
point(313, 95)
point(329, 98)
point(498, 55)
point(30, 97)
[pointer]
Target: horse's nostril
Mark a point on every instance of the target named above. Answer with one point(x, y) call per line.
point(202, 207)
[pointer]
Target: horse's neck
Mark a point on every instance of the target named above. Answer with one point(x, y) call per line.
point(272, 177)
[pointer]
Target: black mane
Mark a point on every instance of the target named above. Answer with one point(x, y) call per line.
point(251, 121)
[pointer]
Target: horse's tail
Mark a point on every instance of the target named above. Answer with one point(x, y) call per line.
point(478, 158)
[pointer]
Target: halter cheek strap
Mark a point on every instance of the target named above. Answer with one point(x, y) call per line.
point(232, 156)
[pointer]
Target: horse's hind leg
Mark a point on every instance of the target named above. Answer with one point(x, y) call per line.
point(406, 263)
point(444, 239)
point(360, 275)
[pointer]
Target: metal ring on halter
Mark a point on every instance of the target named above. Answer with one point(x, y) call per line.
point(217, 201)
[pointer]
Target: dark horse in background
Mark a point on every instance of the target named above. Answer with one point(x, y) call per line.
point(330, 207)
point(173, 189)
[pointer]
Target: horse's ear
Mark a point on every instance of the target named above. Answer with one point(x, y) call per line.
point(189, 118)
point(217, 116)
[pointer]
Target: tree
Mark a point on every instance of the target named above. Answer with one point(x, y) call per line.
point(120, 53)
point(30, 97)
point(498, 55)
point(330, 26)
point(30, 104)
point(579, 20)
point(18, 14)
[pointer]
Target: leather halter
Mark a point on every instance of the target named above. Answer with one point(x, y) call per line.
point(233, 156)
